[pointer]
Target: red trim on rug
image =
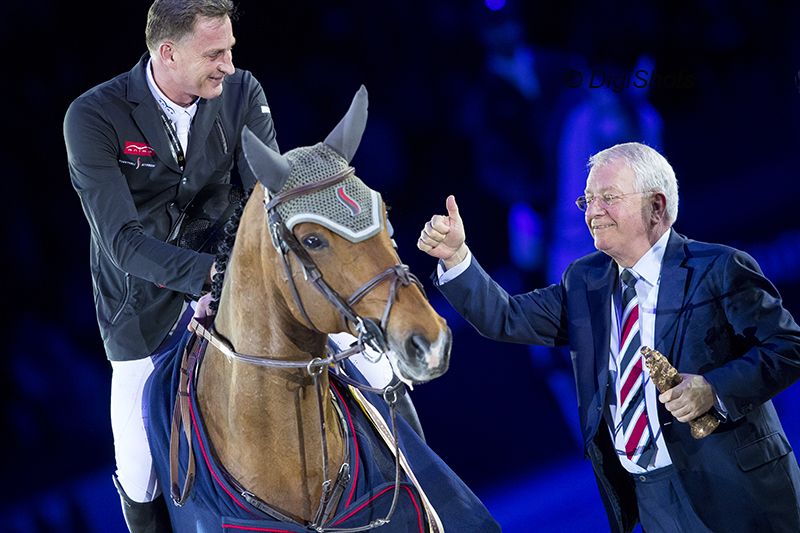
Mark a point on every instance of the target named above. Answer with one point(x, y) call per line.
point(416, 507)
point(381, 493)
point(205, 456)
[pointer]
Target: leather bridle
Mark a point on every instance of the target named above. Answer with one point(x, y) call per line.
point(285, 242)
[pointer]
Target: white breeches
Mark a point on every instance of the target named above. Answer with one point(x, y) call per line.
point(131, 449)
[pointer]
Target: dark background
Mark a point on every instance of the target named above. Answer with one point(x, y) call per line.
point(500, 107)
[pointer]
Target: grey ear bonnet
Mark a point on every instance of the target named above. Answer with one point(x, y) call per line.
point(349, 208)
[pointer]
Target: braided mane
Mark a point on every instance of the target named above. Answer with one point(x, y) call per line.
point(224, 249)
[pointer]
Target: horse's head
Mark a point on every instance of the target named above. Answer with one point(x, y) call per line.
point(333, 239)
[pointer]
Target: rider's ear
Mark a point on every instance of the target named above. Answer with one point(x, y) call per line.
point(346, 136)
point(270, 167)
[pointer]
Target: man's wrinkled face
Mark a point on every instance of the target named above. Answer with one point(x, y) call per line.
point(203, 58)
point(621, 229)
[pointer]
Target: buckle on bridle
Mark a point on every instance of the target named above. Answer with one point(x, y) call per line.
point(275, 234)
point(370, 334)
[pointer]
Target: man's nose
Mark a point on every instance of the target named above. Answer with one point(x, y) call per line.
point(226, 65)
point(593, 209)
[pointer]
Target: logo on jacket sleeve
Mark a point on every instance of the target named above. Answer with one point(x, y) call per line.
point(138, 148)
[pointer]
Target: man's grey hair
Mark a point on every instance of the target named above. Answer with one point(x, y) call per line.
point(652, 171)
point(174, 19)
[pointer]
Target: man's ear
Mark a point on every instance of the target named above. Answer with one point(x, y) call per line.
point(166, 52)
point(658, 207)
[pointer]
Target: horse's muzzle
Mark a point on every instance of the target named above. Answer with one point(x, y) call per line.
point(420, 361)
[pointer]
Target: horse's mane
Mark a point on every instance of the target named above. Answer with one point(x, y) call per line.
point(224, 249)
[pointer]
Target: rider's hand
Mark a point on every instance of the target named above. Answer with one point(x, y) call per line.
point(202, 309)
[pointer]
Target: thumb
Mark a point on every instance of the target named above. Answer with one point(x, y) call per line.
point(452, 208)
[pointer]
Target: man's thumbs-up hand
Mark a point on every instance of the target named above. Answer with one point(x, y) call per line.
point(443, 236)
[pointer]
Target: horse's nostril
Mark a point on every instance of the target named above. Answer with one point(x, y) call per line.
point(417, 346)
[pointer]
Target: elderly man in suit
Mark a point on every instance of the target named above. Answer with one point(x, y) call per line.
point(707, 307)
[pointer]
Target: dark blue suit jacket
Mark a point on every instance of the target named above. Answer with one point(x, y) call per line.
point(718, 316)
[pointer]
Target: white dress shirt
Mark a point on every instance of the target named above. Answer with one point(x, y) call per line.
point(180, 117)
point(446, 275)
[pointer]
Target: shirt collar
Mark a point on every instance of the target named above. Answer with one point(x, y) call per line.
point(648, 267)
point(171, 109)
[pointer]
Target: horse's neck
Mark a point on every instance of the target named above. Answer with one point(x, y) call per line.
point(264, 422)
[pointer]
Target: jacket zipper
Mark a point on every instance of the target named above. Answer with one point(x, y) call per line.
point(125, 295)
point(221, 135)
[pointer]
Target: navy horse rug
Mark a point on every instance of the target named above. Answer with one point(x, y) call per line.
point(366, 489)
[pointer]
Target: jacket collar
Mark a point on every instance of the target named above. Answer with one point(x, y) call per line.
point(207, 113)
point(138, 91)
point(600, 283)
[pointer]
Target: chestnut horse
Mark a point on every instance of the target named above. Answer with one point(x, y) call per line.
point(312, 256)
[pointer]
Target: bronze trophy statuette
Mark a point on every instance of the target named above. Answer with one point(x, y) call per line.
point(665, 376)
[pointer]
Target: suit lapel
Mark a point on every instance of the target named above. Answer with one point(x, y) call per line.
point(147, 115)
point(671, 295)
point(148, 118)
point(600, 284)
point(207, 111)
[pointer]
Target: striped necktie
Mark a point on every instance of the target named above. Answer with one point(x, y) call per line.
point(639, 445)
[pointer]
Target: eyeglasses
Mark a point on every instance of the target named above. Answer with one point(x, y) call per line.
point(606, 200)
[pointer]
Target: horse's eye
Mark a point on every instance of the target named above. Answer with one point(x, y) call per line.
point(314, 242)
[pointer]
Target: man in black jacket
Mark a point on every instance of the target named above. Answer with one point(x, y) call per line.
point(139, 148)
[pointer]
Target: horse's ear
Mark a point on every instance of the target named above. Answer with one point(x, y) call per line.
point(346, 136)
point(269, 167)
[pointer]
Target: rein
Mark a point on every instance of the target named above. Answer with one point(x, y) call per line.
point(313, 366)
